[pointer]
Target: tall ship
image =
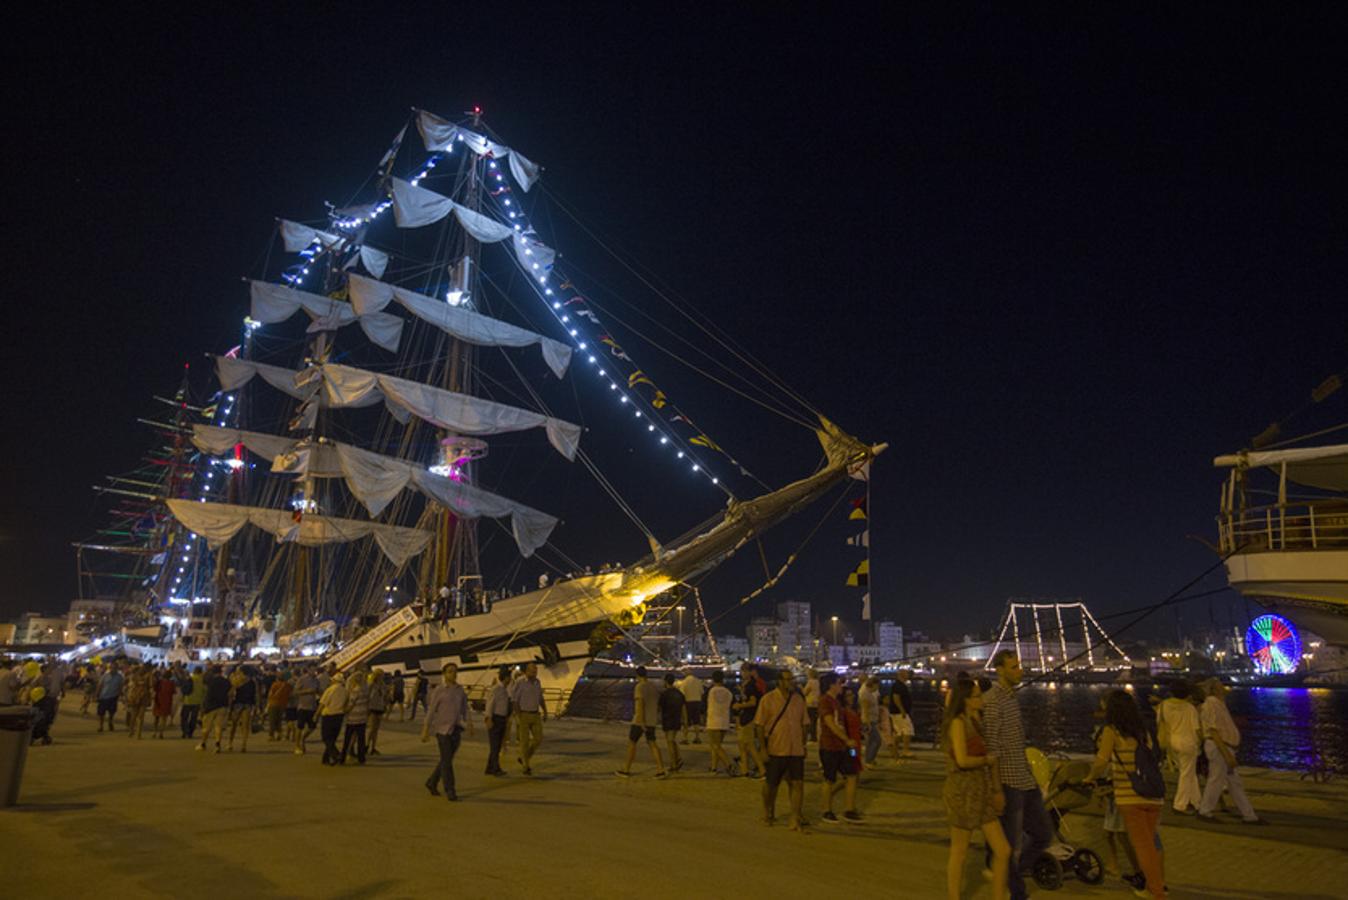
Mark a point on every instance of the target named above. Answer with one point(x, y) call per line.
point(1282, 525)
point(404, 408)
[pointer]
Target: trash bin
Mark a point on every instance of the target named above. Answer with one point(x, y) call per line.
point(16, 729)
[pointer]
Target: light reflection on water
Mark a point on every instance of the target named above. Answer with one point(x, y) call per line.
point(1284, 728)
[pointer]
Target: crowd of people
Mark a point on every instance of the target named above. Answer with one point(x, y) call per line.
point(989, 786)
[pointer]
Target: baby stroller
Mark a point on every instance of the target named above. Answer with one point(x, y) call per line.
point(1064, 785)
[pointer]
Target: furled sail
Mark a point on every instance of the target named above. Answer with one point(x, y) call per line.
point(440, 134)
point(338, 386)
point(273, 303)
point(459, 413)
point(415, 206)
point(368, 297)
point(297, 236)
point(218, 522)
point(375, 479)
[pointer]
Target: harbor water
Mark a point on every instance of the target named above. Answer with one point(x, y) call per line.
point(1281, 728)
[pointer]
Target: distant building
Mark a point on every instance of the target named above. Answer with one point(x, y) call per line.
point(764, 638)
point(890, 637)
point(35, 628)
point(971, 649)
point(733, 647)
point(7, 630)
point(793, 629)
point(921, 651)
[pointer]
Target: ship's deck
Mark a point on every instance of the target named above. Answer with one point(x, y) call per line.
point(102, 814)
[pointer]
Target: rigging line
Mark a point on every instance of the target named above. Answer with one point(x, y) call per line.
point(789, 416)
point(1307, 437)
point(607, 311)
point(784, 414)
point(743, 357)
point(639, 400)
point(791, 558)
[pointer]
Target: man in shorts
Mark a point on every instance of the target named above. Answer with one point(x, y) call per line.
point(719, 699)
point(692, 689)
point(645, 718)
point(109, 689)
point(745, 709)
point(306, 707)
point(837, 752)
point(671, 720)
point(781, 722)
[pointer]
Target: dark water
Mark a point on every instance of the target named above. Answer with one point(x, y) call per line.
point(1282, 728)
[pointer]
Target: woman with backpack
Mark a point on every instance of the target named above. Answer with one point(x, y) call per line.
point(1128, 751)
point(972, 791)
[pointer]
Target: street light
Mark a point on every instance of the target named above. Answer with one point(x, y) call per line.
point(680, 640)
point(835, 631)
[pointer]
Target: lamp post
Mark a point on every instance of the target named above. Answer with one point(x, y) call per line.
point(678, 643)
point(835, 631)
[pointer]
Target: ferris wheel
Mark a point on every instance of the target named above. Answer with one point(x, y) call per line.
point(1273, 645)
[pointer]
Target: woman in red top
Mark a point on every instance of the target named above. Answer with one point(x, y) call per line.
point(973, 795)
point(163, 700)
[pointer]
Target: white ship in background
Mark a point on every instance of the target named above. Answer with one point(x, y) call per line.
point(1283, 528)
point(340, 474)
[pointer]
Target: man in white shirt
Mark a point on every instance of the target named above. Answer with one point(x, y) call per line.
point(497, 715)
point(691, 687)
point(1221, 738)
point(1180, 734)
point(719, 699)
point(446, 717)
point(645, 719)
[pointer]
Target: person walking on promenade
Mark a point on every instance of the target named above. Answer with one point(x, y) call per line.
point(139, 687)
point(496, 715)
point(751, 690)
point(672, 717)
point(399, 694)
point(278, 697)
point(306, 708)
point(1115, 831)
point(109, 689)
point(331, 711)
point(838, 753)
point(420, 690)
point(813, 691)
point(645, 718)
point(242, 704)
point(1024, 820)
point(164, 689)
point(194, 692)
point(692, 689)
point(446, 718)
point(781, 720)
point(973, 792)
point(214, 707)
point(88, 681)
point(901, 715)
point(1123, 736)
point(357, 714)
point(869, 698)
point(530, 713)
point(378, 706)
point(719, 699)
point(1180, 734)
point(1221, 737)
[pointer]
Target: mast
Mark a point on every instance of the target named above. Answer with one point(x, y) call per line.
point(456, 546)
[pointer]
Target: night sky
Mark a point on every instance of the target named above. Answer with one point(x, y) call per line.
point(1057, 259)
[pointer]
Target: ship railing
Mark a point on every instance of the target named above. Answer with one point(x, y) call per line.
point(1311, 526)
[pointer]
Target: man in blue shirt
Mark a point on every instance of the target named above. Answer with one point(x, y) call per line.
point(109, 689)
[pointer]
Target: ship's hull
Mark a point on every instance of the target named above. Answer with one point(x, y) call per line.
point(1309, 587)
point(551, 627)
